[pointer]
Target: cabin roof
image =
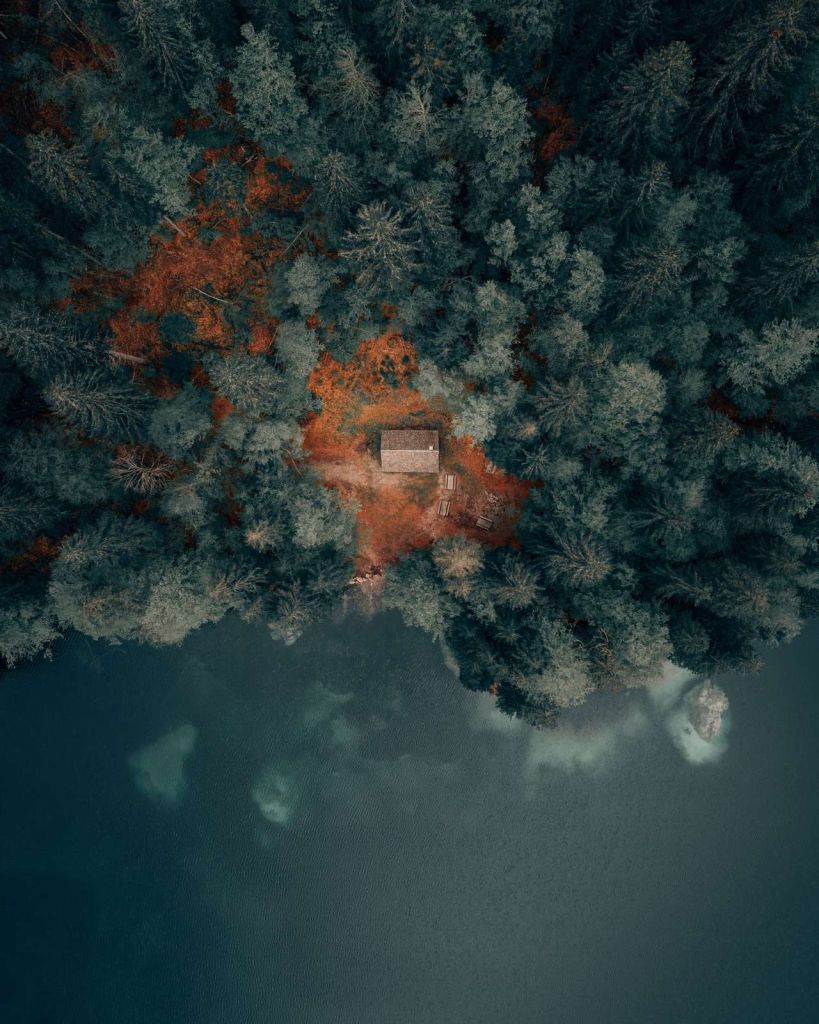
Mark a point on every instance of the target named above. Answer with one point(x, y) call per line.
point(409, 441)
point(409, 451)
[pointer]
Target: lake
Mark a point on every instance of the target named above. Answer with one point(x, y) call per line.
point(336, 831)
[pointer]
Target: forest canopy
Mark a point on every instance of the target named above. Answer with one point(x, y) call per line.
point(577, 237)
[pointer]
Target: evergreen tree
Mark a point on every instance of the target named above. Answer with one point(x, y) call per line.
point(164, 35)
point(381, 248)
point(647, 104)
point(96, 402)
point(268, 102)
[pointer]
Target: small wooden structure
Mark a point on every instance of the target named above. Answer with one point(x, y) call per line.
point(483, 523)
point(450, 482)
point(444, 506)
point(409, 451)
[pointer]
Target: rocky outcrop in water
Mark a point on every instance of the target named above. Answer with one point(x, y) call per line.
point(707, 704)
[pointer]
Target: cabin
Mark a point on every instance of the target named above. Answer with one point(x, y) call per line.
point(409, 451)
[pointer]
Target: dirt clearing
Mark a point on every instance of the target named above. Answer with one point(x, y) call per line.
point(399, 512)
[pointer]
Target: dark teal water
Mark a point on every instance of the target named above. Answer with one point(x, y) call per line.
point(429, 863)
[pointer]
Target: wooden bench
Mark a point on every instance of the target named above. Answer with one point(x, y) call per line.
point(444, 506)
point(450, 482)
point(483, 523)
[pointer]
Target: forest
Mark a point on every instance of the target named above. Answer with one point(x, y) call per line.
point(578, 237)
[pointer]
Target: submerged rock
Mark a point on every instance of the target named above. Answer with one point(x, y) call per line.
point(707, 703)
point(159, 769)
point(275, 794)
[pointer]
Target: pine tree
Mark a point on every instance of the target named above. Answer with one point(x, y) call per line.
point(773, 360)
point(97, 403)
point(745, 69)
point(576, 561)
point(561, 406)
point(251, 384)
point(381, 249)
point(268, 101)
point(62, 173)
point(164, 35)
point(142, 470)
point(21, 513)
point(648, 102)
point(351, 88)
point(517, 586)
point(782, 164)
point(337, 186)
point(786, 275)
point(43, 343)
